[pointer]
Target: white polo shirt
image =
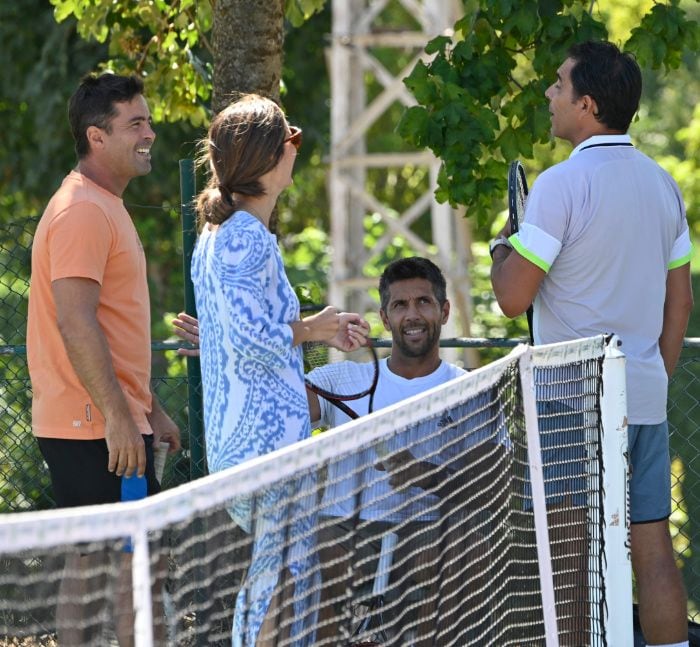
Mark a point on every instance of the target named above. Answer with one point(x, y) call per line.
point(606, 225)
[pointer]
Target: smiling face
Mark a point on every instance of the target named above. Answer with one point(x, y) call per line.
point(121, 150)
point(129, 138)
point(415, 318)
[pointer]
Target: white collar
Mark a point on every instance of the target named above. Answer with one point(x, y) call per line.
point(603, 140)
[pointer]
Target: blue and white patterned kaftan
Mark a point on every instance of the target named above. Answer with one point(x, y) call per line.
point(255, 402)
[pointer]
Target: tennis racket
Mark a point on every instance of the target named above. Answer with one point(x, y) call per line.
point(517, 197)
point(370, 630)
point(330, 378)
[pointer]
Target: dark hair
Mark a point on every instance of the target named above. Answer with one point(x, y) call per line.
point(92, 104)
point(415, 267)
point(245, 141)
point(611, 77)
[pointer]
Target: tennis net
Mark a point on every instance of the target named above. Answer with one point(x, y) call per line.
point(488, 511)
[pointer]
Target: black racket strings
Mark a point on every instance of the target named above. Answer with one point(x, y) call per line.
point(517, 195)
point(338, 380)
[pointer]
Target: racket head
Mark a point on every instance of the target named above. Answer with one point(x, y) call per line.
point(517, 195)
point(336, 384)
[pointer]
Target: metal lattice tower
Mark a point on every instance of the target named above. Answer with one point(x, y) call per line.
point(360, 29)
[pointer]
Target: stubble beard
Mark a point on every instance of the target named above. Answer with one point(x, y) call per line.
point(430, 341)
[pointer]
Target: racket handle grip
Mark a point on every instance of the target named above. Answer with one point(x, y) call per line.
point(386, 557)
point(160, 453)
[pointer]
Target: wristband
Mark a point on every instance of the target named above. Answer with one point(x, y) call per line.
point(501, 240)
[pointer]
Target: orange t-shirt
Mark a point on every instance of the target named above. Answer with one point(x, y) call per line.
point(86, 232)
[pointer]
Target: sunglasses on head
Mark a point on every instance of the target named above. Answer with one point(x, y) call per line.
point(295, 137)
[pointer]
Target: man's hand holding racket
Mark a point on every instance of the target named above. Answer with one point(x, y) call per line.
point(505, 232)
point(404, 470)
point(500, 247)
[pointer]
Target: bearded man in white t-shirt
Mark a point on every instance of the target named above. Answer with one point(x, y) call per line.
point(367, 496)
point(605, 248)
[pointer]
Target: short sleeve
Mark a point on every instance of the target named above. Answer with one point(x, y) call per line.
point(79, 242)
point(681, 251)
point(546, 215)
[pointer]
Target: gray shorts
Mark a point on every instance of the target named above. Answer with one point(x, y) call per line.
point(650, 466)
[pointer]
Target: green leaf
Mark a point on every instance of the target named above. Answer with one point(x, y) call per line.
point(522, 21)
point(507, 141)
point(524, 141)
point(298, 11)
point(437, 44)
point(64, 9)
point(294, 14)
point(548, 8)
point(590, 29)
point(412, 126)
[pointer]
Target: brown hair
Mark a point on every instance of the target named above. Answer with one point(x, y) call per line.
point(245, 141)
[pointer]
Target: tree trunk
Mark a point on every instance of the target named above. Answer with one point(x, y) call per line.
point(247, 39)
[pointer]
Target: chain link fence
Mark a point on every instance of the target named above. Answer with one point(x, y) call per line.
point(24, 481)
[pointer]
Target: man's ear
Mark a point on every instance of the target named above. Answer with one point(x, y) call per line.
point(95, 136)
point(445, 311)
point(589, 106)
point(385, 321)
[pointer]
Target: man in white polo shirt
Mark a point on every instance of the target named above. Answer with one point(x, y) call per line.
point(605, 248)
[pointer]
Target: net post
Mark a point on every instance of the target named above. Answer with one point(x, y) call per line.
point(539, 506)
point(140, 576)
point(616, 529)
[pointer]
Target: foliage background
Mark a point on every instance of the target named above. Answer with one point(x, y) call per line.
point(43, 59)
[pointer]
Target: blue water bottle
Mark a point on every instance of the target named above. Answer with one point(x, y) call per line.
point(134, 488)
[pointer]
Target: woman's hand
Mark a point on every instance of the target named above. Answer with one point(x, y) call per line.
point(187, 327)
point(345, 331)
point(352, 333)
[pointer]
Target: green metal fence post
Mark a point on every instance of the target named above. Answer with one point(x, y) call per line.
point(194, 390)
point(194, 376)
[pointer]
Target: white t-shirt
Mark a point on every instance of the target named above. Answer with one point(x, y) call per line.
point(606, 225)
point(353, 484)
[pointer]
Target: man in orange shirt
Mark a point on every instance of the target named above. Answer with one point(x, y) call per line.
point(88, 338)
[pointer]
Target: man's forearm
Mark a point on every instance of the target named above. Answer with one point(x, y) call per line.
point(677, 307)
point(671, 340)
point(498, 279)
point(76, 302)
point(91, 359)
point(156, 406)
point(515, 280)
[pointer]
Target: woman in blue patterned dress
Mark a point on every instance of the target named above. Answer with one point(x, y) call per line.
point(250, 336)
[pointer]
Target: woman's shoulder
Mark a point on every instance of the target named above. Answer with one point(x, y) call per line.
point(242, 229)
